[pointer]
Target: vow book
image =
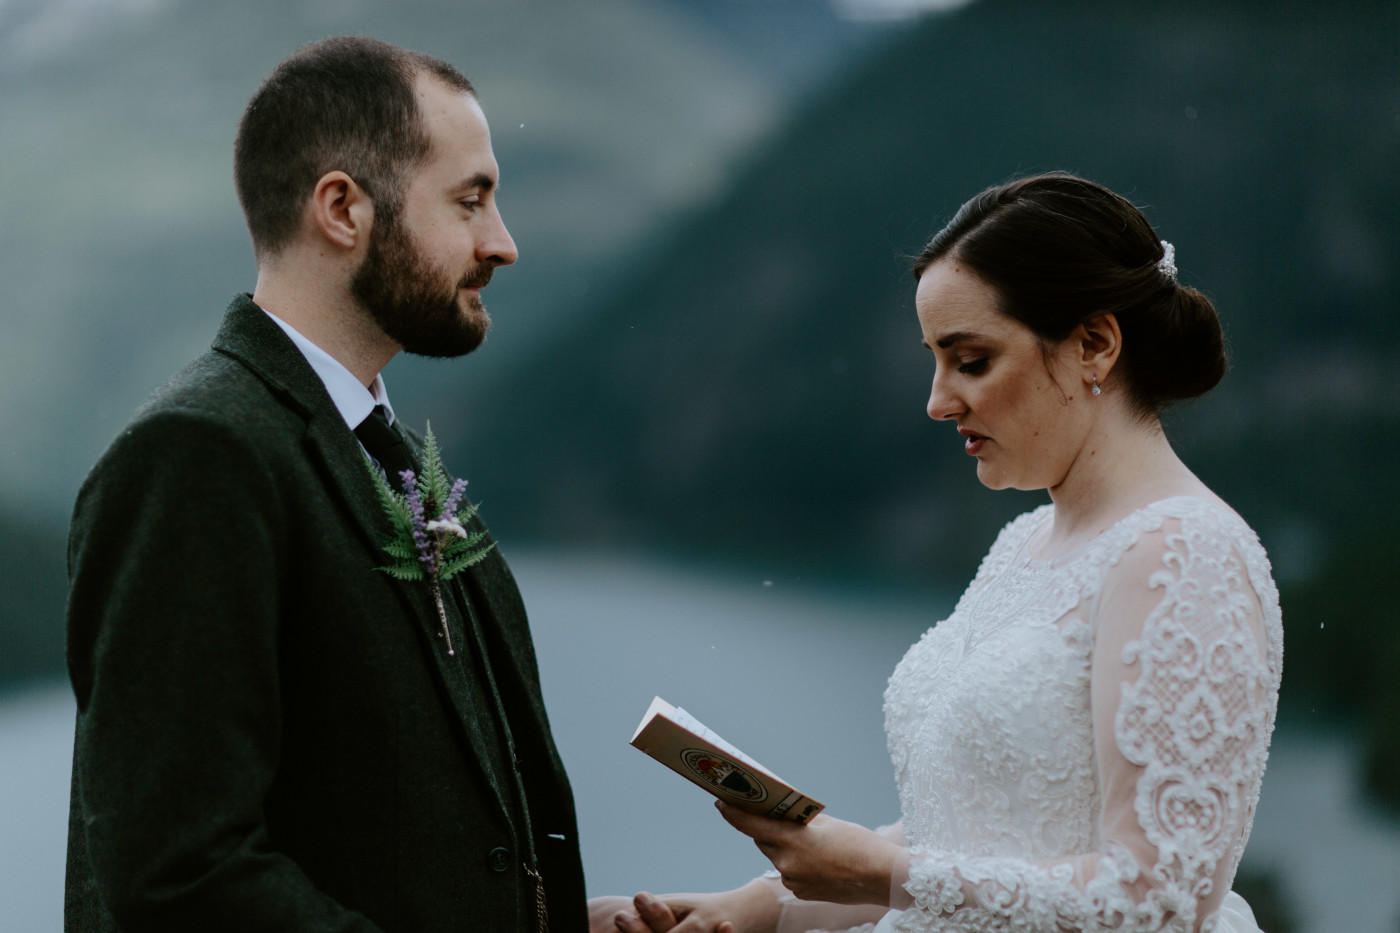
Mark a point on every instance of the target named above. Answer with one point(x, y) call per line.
point(682, 743)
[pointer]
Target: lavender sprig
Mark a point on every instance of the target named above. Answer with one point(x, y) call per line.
point(413, 498)
point(454, 498)
point(432, 547)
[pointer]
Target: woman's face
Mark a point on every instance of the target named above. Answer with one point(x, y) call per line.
point(1018, 407)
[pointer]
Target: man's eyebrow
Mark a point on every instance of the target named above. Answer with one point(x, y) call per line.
point(480, 181)
point(946, 342)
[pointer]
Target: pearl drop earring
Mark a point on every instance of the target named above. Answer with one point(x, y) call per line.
point(1095, 389)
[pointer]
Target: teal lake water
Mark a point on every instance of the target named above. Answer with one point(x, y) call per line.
point(791, 672)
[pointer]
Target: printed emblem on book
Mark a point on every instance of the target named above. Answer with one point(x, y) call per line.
point(697, 753)
point(721, 773)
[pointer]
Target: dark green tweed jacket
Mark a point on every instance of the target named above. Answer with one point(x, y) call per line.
point(270, 736)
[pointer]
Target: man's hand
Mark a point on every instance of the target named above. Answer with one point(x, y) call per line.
point(602, 910)
point(644, 913)
point(824, 860)
point(750, 909)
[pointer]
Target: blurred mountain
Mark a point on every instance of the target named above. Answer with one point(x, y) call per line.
point(755, 390)
point(746, 384)
point(122, 239)
point(31, 597)
point(757, 386)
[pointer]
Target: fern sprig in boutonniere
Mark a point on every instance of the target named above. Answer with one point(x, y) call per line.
point(430, 540)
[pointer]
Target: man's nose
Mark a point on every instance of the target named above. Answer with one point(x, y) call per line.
point(496, 245)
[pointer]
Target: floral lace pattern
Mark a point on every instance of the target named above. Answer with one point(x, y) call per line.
point(1045, 787)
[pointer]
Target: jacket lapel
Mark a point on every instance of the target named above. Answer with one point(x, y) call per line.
point(481, 588)
point(251, 337)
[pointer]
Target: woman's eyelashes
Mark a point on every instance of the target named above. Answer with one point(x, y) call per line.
point(973, 367)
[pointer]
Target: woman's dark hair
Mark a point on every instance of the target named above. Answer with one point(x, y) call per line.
point(1060, 251)
point(346, 104)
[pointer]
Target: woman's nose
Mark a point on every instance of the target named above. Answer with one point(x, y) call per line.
point(942, 404)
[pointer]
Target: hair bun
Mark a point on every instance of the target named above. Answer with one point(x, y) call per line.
point(1175, 349)
point(1061, 250)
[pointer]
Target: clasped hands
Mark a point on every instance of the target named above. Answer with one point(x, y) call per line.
point(825, 859)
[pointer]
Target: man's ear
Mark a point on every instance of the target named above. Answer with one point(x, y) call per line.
point(1099, 342)
point(341, 210)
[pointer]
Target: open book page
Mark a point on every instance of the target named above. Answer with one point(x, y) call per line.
point(687, 721)
point(685, 745)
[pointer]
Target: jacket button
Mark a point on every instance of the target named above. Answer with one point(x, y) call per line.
point(499, 859)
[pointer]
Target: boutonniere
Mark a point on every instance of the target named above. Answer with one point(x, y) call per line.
point(430, 540)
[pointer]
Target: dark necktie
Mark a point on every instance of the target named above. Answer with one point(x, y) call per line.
point(385, 445)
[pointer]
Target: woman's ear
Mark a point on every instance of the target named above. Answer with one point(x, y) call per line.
point(1098, 344)
point(341, 210)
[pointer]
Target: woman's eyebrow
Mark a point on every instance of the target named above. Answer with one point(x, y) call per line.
point(946, 342)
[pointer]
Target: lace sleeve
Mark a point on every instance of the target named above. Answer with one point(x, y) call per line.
point(1183, 690)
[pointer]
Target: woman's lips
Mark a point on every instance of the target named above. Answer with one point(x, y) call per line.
point(974, 442)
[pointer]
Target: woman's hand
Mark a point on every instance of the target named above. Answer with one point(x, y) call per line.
point(750, 909)
point(825, 859)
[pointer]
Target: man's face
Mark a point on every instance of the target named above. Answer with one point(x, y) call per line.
point(424, 269)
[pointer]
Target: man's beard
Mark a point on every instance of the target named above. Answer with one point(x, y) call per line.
point(410, 299)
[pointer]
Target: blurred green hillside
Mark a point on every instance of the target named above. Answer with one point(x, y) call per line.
point(725, 365)
point(757, 384)
point(755, 391)
point(122, 240)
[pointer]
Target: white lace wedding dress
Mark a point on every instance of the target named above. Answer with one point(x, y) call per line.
point(1079, 746)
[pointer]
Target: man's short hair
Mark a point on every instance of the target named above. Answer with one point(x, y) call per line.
point(344, 104)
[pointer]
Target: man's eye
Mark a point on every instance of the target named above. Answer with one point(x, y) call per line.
point(471, 204)
point(973, 367)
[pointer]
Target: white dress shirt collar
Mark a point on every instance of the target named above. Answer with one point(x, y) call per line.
point(351, 399)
